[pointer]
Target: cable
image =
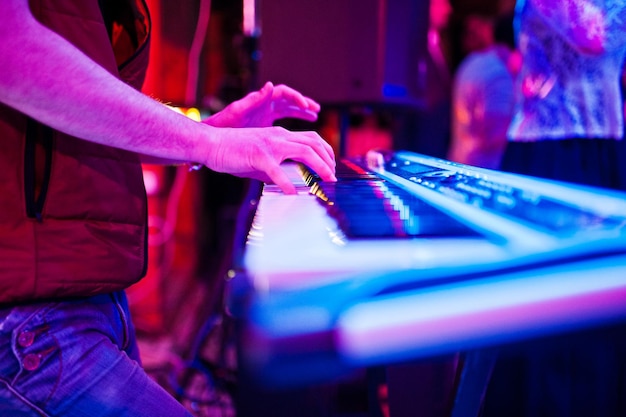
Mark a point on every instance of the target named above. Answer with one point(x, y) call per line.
point(193, 61)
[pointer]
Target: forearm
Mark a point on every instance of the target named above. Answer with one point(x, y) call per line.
point(78, 97)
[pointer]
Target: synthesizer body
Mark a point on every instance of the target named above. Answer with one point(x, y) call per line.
point(408, 256)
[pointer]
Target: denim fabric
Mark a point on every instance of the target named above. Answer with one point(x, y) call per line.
point(76, 358)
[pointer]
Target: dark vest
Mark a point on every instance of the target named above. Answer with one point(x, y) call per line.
point(73, 213)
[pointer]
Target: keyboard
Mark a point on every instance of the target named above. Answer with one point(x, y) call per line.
point(407, 256)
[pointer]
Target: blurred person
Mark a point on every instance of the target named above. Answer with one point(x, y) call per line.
point(568, 126)
point(569, 118)
point(73, 225)
point(483, 99)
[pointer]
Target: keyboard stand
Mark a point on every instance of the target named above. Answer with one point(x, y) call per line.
point(475, 376)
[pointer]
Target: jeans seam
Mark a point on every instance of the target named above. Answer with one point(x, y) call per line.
point(124, 319)
point(23, 399)
point(61, 362)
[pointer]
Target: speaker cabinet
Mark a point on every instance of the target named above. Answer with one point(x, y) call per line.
point(346, 51)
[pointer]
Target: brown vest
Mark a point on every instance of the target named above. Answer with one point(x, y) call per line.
point(72, 213)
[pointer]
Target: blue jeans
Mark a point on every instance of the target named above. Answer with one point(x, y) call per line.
point(76, 358)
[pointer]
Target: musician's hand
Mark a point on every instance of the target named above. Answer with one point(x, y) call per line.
point(263, 107)
point(258, 152)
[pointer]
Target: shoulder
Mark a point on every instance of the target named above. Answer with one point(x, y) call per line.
point(480, 65)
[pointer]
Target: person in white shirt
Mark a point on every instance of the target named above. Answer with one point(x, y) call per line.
point(568, 126)
point(483, 99)
point(569, 121)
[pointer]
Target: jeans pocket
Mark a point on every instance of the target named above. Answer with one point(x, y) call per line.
point(29, 366)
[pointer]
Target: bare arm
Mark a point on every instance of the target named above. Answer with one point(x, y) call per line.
point(46, 77)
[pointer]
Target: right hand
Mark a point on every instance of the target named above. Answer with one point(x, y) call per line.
point(258, 152)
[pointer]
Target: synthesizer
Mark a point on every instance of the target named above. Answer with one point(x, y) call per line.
point(407, 256)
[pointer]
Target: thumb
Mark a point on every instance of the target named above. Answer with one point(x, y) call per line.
point(260, 97)
point(266, 91)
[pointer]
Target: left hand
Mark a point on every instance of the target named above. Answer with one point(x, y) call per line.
point(263, 107)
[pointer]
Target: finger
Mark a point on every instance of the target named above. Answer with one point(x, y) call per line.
point(318, 144)
point(262, 96)
point(319, 165)
point(283, 92)
point(268, 87)
point(313, 105)
point(329, 151)
point(280, 178)
point(314, 156)
point(326, 151)
point(295, 112)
